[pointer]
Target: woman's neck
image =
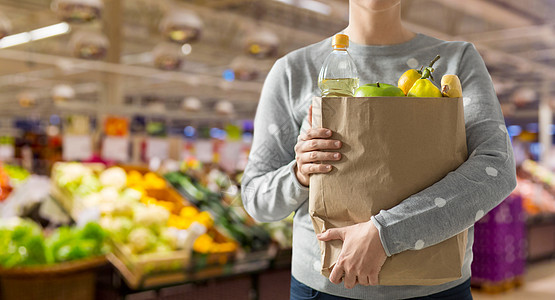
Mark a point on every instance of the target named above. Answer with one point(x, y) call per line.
point(377, 27)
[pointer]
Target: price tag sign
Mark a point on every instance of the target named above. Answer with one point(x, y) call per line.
point(187, 150)
point(204, 149)
point(76, 147)
point(157, 148)
point(115, 148)
point(229, 155)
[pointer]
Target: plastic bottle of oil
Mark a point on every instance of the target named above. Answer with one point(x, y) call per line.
point(338, 76)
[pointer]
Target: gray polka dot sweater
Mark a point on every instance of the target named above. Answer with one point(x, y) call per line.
point(271, 191)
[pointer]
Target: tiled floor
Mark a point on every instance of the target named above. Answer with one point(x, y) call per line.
point(539, 284)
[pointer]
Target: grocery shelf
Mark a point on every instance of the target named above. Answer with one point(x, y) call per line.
point(250, 267)
point(540, 237)
point(540, 219)
point(136, 275)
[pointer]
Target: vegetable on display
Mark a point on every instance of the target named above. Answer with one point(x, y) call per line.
point(23, 243)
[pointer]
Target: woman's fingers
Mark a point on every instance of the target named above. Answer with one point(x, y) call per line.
point(363, 280)
point(317, 156)
point(337, 273)
point(332, 234)
point(318, 144)
point(315, 168)
point(315, 133)
point(308, 157)
point(350, 280)
point(373, 279)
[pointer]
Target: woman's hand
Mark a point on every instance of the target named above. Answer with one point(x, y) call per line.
point(361, 257)
point(309, 152)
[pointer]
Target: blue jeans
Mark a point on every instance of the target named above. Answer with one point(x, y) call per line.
point(300, 291)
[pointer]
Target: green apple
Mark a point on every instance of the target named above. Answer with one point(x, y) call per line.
point(379, 90)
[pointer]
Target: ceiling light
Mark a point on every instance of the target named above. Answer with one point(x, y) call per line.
point(524, 96)
point(244, 68)
point(191, 104)
point(181, 26)
point(16, 39)
point(167, 56)
point(290, 2)
point(224, 107)
point(261, 42)
point(27, 99)
point(315, 6)
point(63, 92)
point(33, 35)
point(78, 11)
point(89, 44)
point(311, 5)
point(48, 31)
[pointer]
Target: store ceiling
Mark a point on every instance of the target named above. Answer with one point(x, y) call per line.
point(516, 38)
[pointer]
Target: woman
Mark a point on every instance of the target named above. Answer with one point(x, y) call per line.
point(277, 176)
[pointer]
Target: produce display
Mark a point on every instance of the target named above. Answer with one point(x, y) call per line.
point(139, 228)
point(228, 217)
point(282, 231)
point(149, 180)
point(536, 185)
point(16, 174)
point(116, 126)
point(10, 177)
point(146, 228)
point(138, 211)
point(205, 243)
point(23, 243)
point(5, 186)
point(26, 198)
point(180, 216)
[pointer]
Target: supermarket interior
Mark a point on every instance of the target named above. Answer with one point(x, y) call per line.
point(128, 125)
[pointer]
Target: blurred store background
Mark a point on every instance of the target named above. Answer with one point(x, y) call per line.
point(167, 92)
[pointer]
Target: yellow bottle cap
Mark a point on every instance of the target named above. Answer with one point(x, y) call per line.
point(341, 40)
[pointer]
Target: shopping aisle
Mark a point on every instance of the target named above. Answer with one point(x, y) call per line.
point(538, 285)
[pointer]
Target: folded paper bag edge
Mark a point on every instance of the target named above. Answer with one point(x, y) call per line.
point(320, 227)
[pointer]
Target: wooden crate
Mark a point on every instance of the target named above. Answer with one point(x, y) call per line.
point(68, 280)
point(151, 268)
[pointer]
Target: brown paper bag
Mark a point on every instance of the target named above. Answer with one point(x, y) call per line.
point(393, 147)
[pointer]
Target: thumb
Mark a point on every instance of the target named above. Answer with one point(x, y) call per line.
point(331, 234)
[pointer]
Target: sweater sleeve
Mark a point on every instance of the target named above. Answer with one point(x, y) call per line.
point(463, 196)
point(270, 189)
